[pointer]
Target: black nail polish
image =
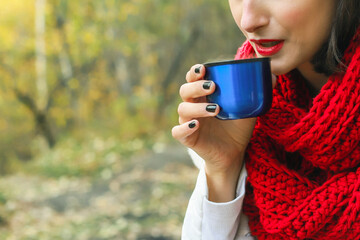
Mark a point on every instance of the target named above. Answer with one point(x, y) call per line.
point(207, 85)
point(211, 108)
point(192, 124)
point(197, 70)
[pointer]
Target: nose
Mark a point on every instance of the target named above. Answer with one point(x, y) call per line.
point(254, 15)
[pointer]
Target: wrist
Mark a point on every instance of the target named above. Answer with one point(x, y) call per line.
point(222, 183)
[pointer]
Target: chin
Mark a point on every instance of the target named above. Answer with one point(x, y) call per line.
point(280, 69)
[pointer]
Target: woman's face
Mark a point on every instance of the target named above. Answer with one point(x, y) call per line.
point(288, 31)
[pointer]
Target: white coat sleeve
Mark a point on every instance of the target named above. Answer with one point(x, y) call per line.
point(209, 220)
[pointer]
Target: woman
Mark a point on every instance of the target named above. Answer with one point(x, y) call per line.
point(302, 157)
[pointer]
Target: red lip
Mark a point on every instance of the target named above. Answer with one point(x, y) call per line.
point(268, 47)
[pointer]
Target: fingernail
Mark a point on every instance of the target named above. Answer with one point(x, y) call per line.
point(211, 108)
point(197, 70)
point(207, 85)
point(192, 124)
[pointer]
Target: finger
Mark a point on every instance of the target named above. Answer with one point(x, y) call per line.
point(193, 90)
point(195, 73)
point(181, 132)
point(188, 111)
point(274, 79)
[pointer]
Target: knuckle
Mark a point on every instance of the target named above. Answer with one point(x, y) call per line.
point(182, 90)
point(187, 77)
point(174, 132)
point(181, 108)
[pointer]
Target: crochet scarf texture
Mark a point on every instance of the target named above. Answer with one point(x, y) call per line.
point(303, 160)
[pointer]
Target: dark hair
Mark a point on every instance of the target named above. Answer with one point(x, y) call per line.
point(346, 20)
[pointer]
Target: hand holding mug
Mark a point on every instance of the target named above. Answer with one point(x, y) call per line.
point(220, 143)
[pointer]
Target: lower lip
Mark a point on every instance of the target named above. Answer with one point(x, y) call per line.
point(268, 51)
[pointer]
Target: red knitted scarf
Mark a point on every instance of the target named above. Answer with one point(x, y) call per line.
point(303, 161)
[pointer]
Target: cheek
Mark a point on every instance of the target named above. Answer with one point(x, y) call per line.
point(236, 11)
point(294, 18)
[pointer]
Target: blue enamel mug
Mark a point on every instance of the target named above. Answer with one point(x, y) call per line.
point(243, 87)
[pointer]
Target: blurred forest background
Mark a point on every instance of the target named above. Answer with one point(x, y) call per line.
point(88, 96)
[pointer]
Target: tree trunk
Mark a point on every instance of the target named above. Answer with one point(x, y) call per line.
point(39, 107)
point(41, 84)
point(165, 97)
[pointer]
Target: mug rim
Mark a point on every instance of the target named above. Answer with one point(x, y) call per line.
point(228, 62)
